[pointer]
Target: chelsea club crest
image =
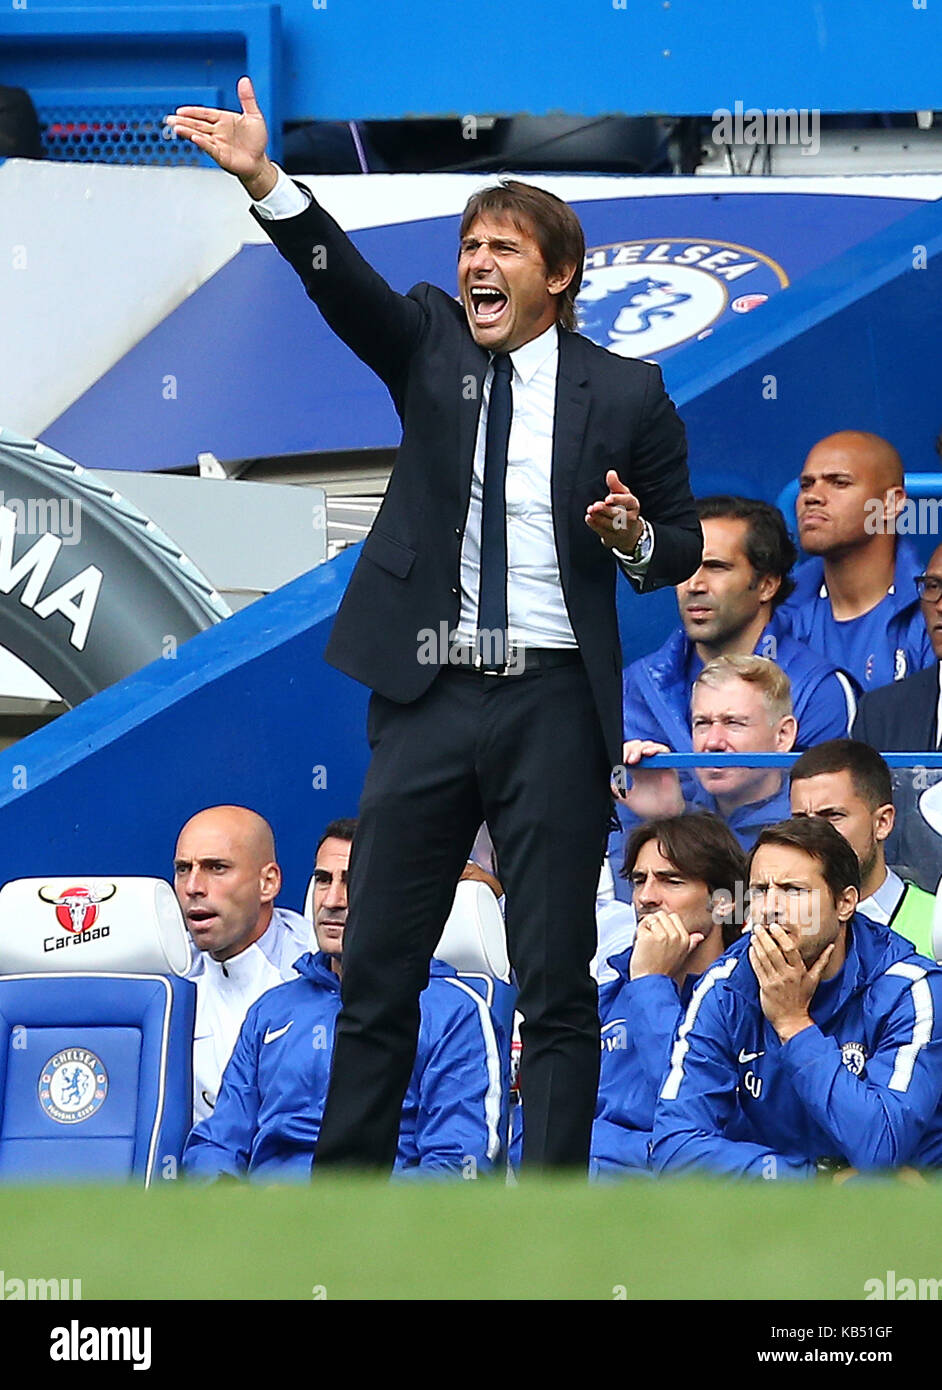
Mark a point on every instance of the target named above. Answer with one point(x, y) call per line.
point(72, 1085)
point(854, 1057)
point(643, 298)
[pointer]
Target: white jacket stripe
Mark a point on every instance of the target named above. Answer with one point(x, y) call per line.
point(922, 1024)
point(681, 1046)
point(493, 1097)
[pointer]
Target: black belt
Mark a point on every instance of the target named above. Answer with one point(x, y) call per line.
point(520, 660)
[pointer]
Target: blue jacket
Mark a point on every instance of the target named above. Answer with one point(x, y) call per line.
point(268, 1112)
point(639, 1019)
point(862, 1084)
point(656, 690)
point(879, 647)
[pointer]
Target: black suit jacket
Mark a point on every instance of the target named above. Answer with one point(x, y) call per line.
point(611, 412)
point(901, 718)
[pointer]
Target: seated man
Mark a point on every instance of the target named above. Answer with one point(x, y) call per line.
point(226, 879)
point(854, 600)
point(688, 873)
point(740, 704)
point(816, 1041)
point(267, 1117)
point(729, 607)
point(848, 784)
point(905, 717)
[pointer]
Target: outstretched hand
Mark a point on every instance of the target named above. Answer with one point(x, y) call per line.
point(235, 140)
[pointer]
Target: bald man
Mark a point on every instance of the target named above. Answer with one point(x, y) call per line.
point(855, 600)
point(226, 878)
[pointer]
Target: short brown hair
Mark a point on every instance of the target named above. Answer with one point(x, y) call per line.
point(555, 227)
point(869, 773)
point(701, 847)
point(837, 861)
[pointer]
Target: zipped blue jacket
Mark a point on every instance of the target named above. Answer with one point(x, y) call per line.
point(656, 690)
point(861, 1085)
point(639, 1019)
point(269, 1108)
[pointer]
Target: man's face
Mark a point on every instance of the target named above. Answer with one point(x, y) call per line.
point(724, 595)
point(733, 718)
point(221, 887)
point(659, 885)
point(787, 886)
point(501, 258)
point(831, 796)
point(330, 895)
point(932, 607)
point(835, 485)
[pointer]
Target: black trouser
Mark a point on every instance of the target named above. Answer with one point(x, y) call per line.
point(526, 754)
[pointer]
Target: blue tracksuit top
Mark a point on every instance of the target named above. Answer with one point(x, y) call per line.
point(879, 647)
point(656, 690)
point(639, 1019)
point(861, 1084)
point(268, 1112)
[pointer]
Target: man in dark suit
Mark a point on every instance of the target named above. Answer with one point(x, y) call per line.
point(904, 717)
point(482, 616)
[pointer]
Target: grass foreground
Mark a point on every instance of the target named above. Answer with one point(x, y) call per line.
point(356, 1239)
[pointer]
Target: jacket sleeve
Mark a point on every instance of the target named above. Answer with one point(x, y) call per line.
point(635, 1053)
point(221, 1144)
point(661, 483)
point(697, 1102)
point(638, 718)
point(455, 1092)
point(616, 1151)
point(877, 1119)
point(382, 327)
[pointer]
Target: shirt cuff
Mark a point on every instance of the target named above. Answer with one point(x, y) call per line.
point(285, 200)
point(638, 569)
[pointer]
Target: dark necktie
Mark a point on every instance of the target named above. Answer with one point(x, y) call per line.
point(491, 643)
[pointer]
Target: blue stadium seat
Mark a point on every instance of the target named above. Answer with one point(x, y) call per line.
point(95, 1064)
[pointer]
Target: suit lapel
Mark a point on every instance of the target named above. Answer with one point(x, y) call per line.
point(569, 423)
point(474, 365)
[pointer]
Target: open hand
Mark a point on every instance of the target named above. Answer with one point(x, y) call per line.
point(235, 140)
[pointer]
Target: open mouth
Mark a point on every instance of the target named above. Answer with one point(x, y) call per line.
point(488, 303)
point(200, 917)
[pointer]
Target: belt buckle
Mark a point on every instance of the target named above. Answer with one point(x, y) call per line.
point(509, 667)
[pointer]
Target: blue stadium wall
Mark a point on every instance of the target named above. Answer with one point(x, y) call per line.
point(248, 712)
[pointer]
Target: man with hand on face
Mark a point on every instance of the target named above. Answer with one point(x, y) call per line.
point(271, 1101)
point(533, 466)
point(687, 873)
point(226, 879)
point(848, 784)
point(815, 1043)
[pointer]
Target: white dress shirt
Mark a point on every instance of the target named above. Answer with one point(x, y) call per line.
point(881, 905)
point(536, 609)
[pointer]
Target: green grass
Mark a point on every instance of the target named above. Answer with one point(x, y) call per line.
point(544, 1240)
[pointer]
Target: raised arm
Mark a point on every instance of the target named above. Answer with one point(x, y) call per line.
point(382, 327)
